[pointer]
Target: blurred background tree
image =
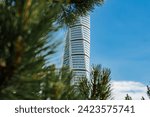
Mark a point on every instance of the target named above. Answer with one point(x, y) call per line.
point(127, 97)
point(148, 91)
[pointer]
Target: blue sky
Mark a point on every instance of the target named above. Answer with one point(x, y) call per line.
point(120, 39)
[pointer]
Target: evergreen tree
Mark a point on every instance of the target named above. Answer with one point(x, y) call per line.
point(24, 43)
point(128, 97)
point(99, 86)
point(76, 8)
point(57, 84)
point(148, 91)
point(142, 98)
point(49, 84)
point(26, 29)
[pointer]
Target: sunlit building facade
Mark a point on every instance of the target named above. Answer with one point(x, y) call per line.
point(77, 48)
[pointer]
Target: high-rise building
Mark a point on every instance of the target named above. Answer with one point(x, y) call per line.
point(77, 48)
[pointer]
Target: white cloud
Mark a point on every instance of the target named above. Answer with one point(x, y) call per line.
point(135, 89)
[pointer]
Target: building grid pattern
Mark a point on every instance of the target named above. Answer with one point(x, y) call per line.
point(77, 48)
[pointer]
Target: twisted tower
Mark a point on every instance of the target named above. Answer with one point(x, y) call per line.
point(77, 48)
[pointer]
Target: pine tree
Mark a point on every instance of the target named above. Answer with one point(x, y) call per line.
point(128, 97)
point(75, 8)
point(26, 29)
point(24, 44)
point(99, 86)
point(148, 91)
point(57, 84)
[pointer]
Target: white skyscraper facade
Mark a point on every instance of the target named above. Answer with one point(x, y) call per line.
point(77, 48)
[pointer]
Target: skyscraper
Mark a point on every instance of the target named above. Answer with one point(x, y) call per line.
point(77, 48)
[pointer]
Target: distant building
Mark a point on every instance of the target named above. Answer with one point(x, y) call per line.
point(77, 48)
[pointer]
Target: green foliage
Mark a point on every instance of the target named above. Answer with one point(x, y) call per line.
point(99, 88)
point(26, 29)
point(142, 98)
point(75, 8)
point(148, 91)
point(128, 97)
point(49, 84)
point(24, 44)
point(57, 84)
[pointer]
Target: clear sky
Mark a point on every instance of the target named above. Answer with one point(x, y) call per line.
point(120, 39)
